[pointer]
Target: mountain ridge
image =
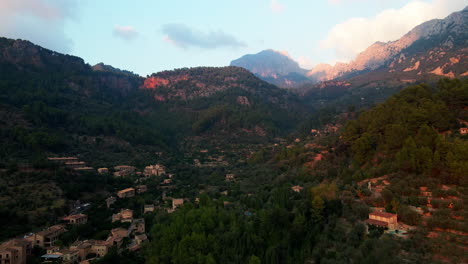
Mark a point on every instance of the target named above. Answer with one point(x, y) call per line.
point(274, 67)
point(380, 53)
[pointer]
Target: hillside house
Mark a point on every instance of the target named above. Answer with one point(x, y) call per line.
point(84, 248)
point(14, 251)
point(77, 219)
point(154, 170)
point(297, 188)
point(75, 164)
point(126, 193)
point(84, 169)
point(125, 216)
point(103, 170)
point(149, 208)
point(62, 256)
point(176, 202)
point(46, 238)
point(383, 219)
point(117, 236)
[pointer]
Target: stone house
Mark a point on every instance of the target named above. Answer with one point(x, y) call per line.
point(125, 216)
point(297, 188)
point(46, 238)
point(383, 219)
point(149, 208)
point(77, 219)
point(126, 193)
point(14, 251)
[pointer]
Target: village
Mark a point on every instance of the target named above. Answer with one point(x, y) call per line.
point(132, 233)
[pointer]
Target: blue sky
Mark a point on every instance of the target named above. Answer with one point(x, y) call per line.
point(147, 36)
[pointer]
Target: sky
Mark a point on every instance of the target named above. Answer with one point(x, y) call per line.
point(147, 36)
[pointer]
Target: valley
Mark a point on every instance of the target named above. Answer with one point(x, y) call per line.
point(258, 162)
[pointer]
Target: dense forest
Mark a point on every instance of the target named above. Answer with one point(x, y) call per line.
point(412, 139)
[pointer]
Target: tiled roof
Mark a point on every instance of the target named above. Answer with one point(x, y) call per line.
point(383, 214)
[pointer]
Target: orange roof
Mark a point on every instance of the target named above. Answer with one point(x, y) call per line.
point(76, 216)
point(383, 214)
point(126, 190)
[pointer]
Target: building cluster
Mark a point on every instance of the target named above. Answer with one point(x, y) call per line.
point(16, 251)
point(72, 163)
point(126, 170)
point(154, 170)
point(125, 216)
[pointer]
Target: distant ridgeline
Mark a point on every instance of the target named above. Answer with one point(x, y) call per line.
point(55, 103)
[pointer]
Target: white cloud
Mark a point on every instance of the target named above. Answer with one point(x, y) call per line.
point(40, 21)
point(183, 36)
point(276, 6)
point(305, 62)
point(125, 32)
point(356, 34)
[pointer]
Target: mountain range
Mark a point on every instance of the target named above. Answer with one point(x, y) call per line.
point(274, 67)
point(436, 48)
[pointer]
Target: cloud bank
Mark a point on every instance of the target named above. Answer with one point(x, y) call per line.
point(356, 34)
point(40, 21)
point(185, 37)
point(127, 33)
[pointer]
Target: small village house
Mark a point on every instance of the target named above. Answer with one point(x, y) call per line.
point(14, 251)
point(383, 219)
point(125, 216)
point(46, 238)
point(176, 202)
point(126, 193)
point(124, 170)
point(297, 188)
point(154, 170)
point(77, 219)
point(148, 208)
point(103, 170)
point(75, 164)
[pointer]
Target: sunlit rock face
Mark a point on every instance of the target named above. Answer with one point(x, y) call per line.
point(439, 37)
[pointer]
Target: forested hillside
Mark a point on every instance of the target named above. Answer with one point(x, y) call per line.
point(411, 140)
